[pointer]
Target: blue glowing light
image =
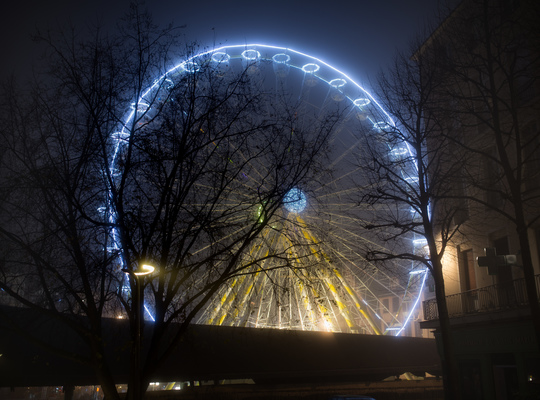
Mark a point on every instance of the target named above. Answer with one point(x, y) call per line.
point(281, 58)
point(251, 55)
point(413, 308)
point(221, 63)
point(168, 84)
point(420, 242)
point(190, 66)
point(338, 83)
point(361, 102)
point(418, 271)
point(412, 180)
point(382, 126)
point(220, 57)
point(141, 106)
point(399, 152)
point(121, 135)
point(310, 68)
point(281, 64)
point(149, 313)
point(250, 61)
point(295, 201)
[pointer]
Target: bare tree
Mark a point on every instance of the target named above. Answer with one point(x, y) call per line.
point(414, 172)
point(186, 179)
point(465, 105)
point(489, 54)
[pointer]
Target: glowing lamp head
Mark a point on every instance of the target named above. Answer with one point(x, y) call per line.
point(295, 200)
point(144, 269)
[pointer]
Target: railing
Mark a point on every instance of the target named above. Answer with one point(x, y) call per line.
point(486, 299)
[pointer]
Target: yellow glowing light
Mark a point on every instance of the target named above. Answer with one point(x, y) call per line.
point(328, 326)
point(144, 269)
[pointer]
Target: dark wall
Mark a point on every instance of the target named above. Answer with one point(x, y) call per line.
point(210, 352)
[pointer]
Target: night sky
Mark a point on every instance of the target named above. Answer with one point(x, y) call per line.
point(357, 36)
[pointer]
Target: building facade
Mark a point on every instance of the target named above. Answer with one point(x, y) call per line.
point(490, 65)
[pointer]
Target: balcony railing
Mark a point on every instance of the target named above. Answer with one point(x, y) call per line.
point(487, 299)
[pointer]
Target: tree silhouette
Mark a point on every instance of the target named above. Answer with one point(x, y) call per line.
point(489, 54)
point(187, 182)
point(414, 177)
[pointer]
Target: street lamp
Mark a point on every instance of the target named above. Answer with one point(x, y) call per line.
point(138, 313)
point(144, 269)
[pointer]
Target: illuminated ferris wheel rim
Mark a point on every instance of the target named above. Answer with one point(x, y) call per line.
point(314, 67)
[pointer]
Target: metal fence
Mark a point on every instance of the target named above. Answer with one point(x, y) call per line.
point(486, 299)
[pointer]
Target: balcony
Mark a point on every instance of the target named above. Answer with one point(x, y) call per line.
point(488, 299)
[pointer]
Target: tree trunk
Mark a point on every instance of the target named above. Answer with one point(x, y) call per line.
point(530, 280)
point(105, 377)
point(452, 390)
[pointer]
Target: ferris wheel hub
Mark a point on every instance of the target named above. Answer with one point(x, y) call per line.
point(295, 201)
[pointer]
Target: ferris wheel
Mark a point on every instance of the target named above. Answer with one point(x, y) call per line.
point(320, 220)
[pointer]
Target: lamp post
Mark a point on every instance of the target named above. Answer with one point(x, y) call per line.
point(138, 312)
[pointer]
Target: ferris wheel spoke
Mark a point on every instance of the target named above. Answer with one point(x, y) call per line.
point(306, 269)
